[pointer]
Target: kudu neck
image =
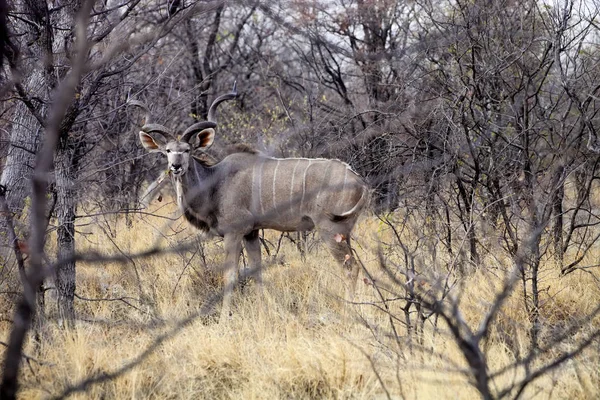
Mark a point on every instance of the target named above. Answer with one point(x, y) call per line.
point(196, 177)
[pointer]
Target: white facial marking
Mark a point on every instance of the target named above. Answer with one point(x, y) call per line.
point(178, 157)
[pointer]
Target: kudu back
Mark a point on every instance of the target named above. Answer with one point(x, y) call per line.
point(248, 191)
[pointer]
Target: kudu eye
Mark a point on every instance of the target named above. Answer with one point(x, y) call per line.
point(168, 151)
point(187, 151)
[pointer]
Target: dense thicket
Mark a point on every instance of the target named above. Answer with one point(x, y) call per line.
point(478, 118)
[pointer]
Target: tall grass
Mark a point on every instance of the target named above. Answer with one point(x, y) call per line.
point(294, 339)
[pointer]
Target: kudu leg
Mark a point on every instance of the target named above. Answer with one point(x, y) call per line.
point(233, 249)
point(252, 244)
point(353, 268)
point(339, 246)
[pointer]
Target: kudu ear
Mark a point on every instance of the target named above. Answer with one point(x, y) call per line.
point(152, 141)
point(204, 139)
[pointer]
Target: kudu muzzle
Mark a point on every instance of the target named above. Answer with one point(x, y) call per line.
point(177, 162)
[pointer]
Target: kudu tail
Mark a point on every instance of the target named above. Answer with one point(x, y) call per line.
point(358, 207)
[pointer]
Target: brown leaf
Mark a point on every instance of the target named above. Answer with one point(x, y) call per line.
point(23, 247)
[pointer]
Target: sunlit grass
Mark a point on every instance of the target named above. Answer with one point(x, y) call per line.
point(295, 339)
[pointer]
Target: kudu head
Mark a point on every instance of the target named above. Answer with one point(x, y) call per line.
point(199, 136)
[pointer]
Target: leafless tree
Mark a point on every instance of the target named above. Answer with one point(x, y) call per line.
point(475, 122)
point(68, 79)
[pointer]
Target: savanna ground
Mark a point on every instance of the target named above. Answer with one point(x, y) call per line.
point(301, 340)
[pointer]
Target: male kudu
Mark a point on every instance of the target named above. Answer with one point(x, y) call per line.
point(248, 191)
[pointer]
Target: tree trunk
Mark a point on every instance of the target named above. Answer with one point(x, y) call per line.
point(557, 226)
point(26, 130)
point(467, 221)
point(17, 172)
point(24, 143)
point(66, 164)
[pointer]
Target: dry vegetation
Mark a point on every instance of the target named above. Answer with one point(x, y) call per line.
point(297, 340)
point(475, 124)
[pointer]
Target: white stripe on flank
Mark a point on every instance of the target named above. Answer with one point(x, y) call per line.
point(343, 192)
point(275, 180)
point(324, 182)
point(262, 209)
point(254, 205)
point(292, 185)
point(304, 184)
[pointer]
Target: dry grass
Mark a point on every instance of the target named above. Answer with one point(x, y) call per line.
point(294, 341)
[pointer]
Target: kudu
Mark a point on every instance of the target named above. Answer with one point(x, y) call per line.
point(248, 191)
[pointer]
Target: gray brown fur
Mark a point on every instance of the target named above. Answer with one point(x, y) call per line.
point(240, 148)
point(248, 191)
